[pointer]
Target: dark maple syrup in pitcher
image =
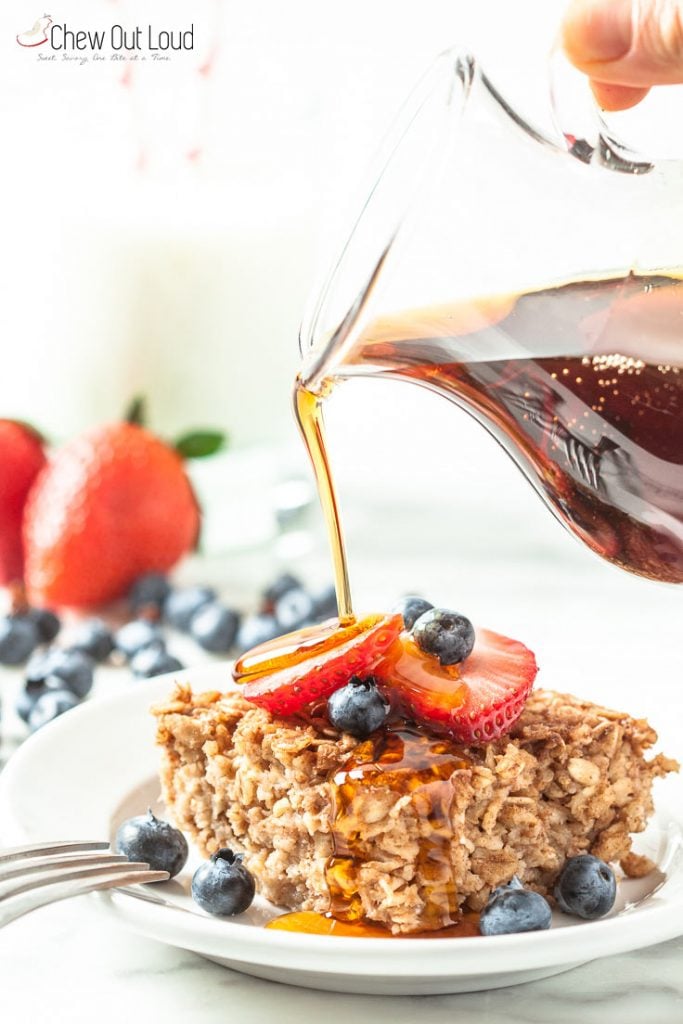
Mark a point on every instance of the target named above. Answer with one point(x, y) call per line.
point(582, 384)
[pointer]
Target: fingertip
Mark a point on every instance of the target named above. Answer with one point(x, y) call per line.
point(617, 97)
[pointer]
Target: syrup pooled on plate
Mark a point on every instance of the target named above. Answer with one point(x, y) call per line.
point(310, 923)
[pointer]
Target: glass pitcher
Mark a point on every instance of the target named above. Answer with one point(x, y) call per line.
point(537, 282)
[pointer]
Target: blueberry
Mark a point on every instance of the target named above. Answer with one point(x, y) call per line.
point(411, 607)
point(18, 639)
point(27, 698)
point(182, 605)
point(149, 591)
point(357, 708)
point(278, 588)
point(71, 669)
point(294, 610)
point(255, 630)
point(512, 908)
point(151, 841)
point(135, 635)
point(214, 627)
point(325, 602)
point(222, 885)
point(50, 705)
point(445, 634)
point(586, 887)
point(39, 667)
point(154, 661)
point(46, 622)
point(93, 638)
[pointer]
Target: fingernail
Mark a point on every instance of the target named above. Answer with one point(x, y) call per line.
point(599, 30)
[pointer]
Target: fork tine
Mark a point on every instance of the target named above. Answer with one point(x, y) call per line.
point(46, 849)
point(104, 878)
point(29, 881)
point(32, 865)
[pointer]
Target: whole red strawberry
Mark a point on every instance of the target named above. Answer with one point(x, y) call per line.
point(21, 459)
point(111, 505)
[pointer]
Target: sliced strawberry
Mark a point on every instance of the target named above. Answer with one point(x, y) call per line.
point(293, 648)
point(475, 701)
point(288, 690)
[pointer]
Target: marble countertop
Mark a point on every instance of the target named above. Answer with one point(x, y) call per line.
point(69, 965)
point(594, 630)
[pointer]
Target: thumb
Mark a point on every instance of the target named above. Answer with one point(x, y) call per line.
point(625, 46)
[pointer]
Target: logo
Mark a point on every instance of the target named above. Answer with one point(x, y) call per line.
point(37, 35)
point(116, 42)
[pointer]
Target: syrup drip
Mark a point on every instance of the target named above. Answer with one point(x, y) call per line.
point(404, 761)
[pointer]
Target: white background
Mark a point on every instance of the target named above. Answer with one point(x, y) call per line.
point(181, 278)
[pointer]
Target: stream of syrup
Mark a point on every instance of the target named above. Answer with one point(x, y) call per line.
point(308, 408)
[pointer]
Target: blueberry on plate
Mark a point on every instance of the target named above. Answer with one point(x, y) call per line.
point(149, 840)
point(149, 592)
point(214, 627)
point(357, 708)
point(444, 634)
point(94, 638)
point(294, 610)
point(411, 607)
point(154, 660)
point(586, 887)
point(255, 630)
point(182, 605)
point(135, 635)
point(46, 622)
point(71, 669)
point(512, 908)
point(50, 705)
point(222, 885)
point(278, 588)
point(19, 637)
point(325, 602)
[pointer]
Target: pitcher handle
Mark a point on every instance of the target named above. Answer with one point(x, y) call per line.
point(581, 124)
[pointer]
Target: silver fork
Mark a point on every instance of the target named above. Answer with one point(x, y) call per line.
point(33, 876)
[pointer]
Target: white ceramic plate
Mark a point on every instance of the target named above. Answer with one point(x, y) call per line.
point(80, 776)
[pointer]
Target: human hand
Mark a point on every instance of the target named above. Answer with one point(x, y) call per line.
point(625, 46)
